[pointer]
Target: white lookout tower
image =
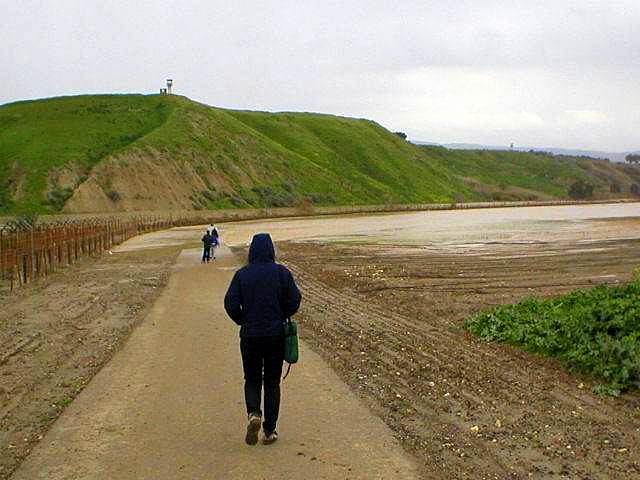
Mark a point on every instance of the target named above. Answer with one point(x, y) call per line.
point(169, 85)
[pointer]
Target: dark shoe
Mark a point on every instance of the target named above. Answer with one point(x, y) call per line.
point(252, 429)
point(270, 438)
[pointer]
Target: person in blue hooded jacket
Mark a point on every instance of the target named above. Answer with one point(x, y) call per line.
point(261, 296)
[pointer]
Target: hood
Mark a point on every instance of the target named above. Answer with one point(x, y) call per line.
point(261, 249)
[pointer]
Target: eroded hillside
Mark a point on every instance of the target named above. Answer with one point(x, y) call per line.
point(133, 152)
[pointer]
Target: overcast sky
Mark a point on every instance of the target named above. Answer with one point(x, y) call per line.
point(534, 72)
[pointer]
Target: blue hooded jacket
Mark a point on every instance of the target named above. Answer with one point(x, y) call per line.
point(262, 294)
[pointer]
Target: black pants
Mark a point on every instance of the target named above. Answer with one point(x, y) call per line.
point(206, 254)
point(262, 359)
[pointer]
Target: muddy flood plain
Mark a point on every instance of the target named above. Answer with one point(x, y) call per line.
point(389, 320)
point(385, 297)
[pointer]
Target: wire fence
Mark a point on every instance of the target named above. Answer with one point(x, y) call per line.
point(34, 251)
point(29, 252)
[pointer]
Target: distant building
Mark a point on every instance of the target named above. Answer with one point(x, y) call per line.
point(167, 91)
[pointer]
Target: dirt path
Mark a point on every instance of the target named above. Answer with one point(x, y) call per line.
point(169, 406)
point(57, 333)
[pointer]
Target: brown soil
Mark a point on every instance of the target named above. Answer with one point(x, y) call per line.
point(57, 333)
point(390, 321)
point(170, 405)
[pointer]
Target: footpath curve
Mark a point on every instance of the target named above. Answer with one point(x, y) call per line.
point(169, 406)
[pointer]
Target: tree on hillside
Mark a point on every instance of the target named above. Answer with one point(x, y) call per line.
point(632, 158)
point(580, 190)
point(402, 135)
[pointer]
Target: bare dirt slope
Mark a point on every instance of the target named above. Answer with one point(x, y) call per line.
point(389, 321)
point(170, 406)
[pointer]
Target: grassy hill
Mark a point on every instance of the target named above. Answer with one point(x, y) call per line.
point(38, 137)
point(135, 152)
point(506, 175)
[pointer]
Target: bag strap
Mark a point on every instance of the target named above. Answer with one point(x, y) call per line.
point(288, 370)
point(288, 320)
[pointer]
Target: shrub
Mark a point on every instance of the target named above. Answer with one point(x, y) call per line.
point(632, 158)
point(271, 197)
point(593, 331)
point(6, 202)
point(305, 206)
point(113, 195)
point(210, 195)
point(402, 135)
point(581, 190)
point(58, 197)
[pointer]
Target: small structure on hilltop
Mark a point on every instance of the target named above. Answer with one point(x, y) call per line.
point(167, 91)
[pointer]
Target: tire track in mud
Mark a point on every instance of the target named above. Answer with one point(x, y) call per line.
point(432, 382)
point(394, 357)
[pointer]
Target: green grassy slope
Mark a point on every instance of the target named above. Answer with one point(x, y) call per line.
point(368, 163)
point(506, 175)
point(41, 135)
point(215, 158)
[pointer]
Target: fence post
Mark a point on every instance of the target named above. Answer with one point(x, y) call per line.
point(33, 254)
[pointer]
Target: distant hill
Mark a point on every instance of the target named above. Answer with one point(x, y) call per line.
point(513, 175)
point(101, 153)
point(613, 156)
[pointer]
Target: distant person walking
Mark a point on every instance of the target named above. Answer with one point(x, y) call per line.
point(207, 242)
point(216, 241)
point(260, 298)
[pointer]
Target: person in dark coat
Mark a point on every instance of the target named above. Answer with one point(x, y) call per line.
point(261, 296)
point(207, 242)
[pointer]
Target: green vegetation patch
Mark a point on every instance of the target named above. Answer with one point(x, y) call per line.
point(593, 331)
point(363, 162)
point(39, 136)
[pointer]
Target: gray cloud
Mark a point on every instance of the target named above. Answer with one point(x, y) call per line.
point(556, 73)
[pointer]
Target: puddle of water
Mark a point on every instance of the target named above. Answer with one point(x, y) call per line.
point(451, 229)
point(464, 227)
